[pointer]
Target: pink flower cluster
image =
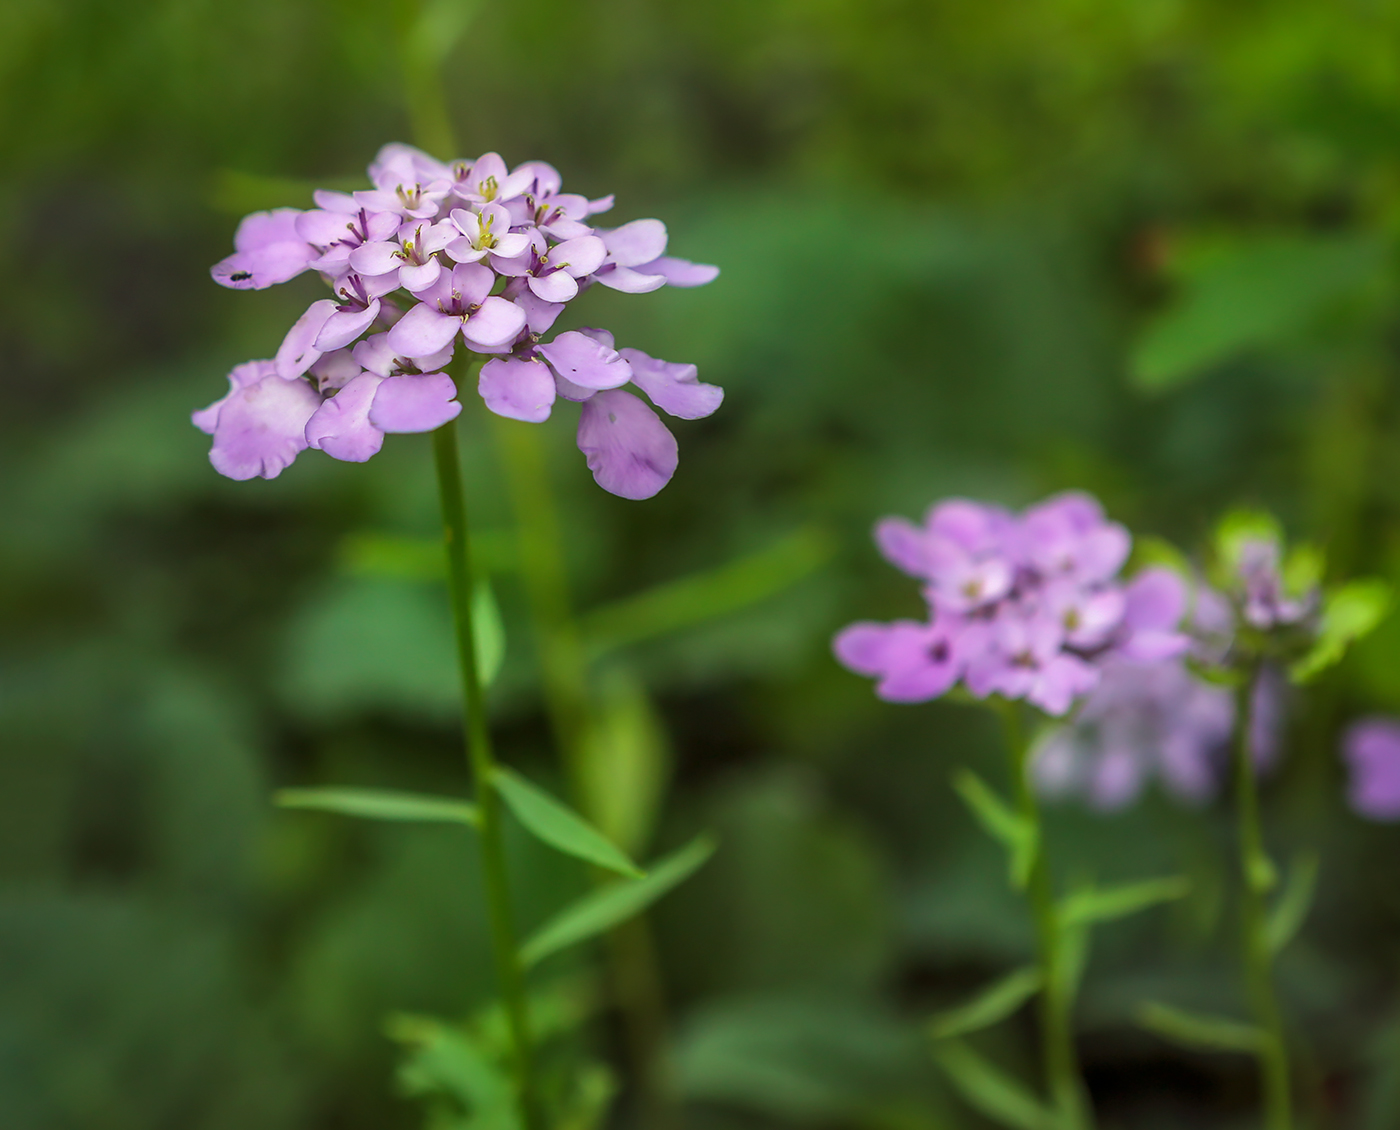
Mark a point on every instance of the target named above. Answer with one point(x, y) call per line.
point(434, 254)
point(1027, 606)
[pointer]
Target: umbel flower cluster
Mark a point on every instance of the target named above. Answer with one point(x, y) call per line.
point(1027, 606)
point(437, 256)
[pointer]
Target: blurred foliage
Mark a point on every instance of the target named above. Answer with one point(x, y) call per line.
point(957, 241)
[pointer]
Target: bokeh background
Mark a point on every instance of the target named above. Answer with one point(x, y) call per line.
point(1145, 249)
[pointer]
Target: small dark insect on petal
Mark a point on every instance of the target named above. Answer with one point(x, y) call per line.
point(240, 276)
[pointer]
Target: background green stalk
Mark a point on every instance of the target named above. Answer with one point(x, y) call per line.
point(460, 584)
point(1061, 1061)
point(634, 971)
point(1257, 875)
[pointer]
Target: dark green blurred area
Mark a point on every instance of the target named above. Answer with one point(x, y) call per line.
point(1143, 249)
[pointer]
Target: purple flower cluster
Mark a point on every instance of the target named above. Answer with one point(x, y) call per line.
point(432, 253)
point(1026, 606)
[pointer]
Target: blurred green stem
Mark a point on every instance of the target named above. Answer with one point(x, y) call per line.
point(480, 757)
point(635, 972)
point(1061, 1062)
point(1257, 875)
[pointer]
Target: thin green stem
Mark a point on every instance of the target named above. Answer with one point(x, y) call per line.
point(1257, 875)
point(1061, 1061)
point(460, 584)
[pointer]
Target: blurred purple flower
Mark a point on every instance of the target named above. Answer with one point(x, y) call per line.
point(1028, 607)
point(1371, 749)
point(476, 250)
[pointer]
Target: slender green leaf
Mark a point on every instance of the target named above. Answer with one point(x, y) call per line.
point(1291, 910)
point(380, 804)
point(1348, 613)
point(624, 761)
point(1103, 904)
point(704, 596)
point(989, 1090)
point(1193, 1030)
point(1257, 293)
point(400, 557)
point(602, 909)
point(989, 1007)
point(1016, 833)
point(1074, 957)
point(489, 632)
point(559, 826)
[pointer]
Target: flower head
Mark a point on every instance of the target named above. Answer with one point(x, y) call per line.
point(437, 256)
point(1371, 749)
point(1026, 606)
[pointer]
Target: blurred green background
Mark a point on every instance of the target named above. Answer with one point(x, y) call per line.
point(1143, 248)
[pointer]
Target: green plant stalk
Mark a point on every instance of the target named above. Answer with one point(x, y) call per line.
point(482, 760)
point(1257, 877)
point(635, 972)
point(1060, 1059)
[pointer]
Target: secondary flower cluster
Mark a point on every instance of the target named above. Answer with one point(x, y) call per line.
point(1027, 606)
point(434, 253)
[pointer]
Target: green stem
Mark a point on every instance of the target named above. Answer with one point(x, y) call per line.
point(634, 970)
point(1257, 874)
point(482, 761)
point(1061, 1061)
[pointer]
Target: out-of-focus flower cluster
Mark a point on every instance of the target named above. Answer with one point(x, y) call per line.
point(433, 255)
point(1027, 606)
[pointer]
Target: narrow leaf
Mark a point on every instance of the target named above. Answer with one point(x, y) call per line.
point(380, 804)
point(1192, 1030)
point(989, 1007)
point(1291, 910)
point(989, 1090)
point(704, 596)
point(1348, 613)
point(558, 826)
point(1103, 904)
point(1016, 833)
point(602, 909)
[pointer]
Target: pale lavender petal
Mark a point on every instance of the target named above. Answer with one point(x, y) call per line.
point(340, 202)
point(580, 256)
point(322, 228)
point(344, 326)
point(680, 272)
point(376, 258)
point(261, 428)
point(250, 372)
point(517, 389)
point(602, 337)
point(629, 281)
point(628, 448)
point(496, 323)
point(472, 282)
point(335, 370)
point(463, 251)
point(1156, 598)
point(423, 331)
point(602, 204)
point(641, 241)
point(341, 427)
point(414, 404)
point(558, 287)
point(511, 244)
point(1060, 682)
point(1371, 748)
point(583, 361)
point(902, 544)
point(417, 279)
point(298, 351)
point(260, 229)
point(570, 391)
point(539, 314)
point(674, 388)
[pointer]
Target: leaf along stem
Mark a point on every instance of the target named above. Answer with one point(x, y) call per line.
point(1257, 877)
point(480, 757)
point(1053, 956)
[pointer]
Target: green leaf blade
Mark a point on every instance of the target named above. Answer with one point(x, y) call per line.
point(559, 826)
point(1291, 910)
point(1199, 1032)
point(381, 804)
point(602, 909)
point(989, 1090)
point(1104, 904)
point(1348, 613)
point(989, 1007)
point(1016, 833)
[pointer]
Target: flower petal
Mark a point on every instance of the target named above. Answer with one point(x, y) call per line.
point(496, 323)
point(261, 428)
point(641, 241)
point(344, 326)
point(557, 287)
point(680, 272)
point(629, 281)
point(673, 388)
point(414, 404)
point(579, 257)
point(516, 388)
point(422, 331)
point(298, 352)
point(341, 427)
point(629, 450)
point(586, 362)
point(207, 419)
